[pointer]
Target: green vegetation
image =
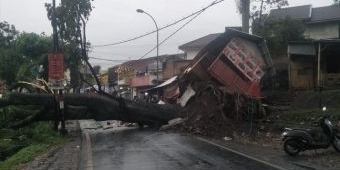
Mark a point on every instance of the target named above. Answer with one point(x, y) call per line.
point(23, 145)
point(278, 33)
point(21, 54)
point(308, 115)
point(72, 17)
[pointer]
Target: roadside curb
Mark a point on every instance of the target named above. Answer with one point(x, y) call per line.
point(241, 154)
point(89, 162)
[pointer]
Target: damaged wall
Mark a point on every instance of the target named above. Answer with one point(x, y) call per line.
point(236, 60)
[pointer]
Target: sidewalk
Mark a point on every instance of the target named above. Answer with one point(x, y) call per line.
point(63, 157)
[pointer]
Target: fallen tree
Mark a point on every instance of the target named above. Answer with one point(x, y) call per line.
point(92, 106)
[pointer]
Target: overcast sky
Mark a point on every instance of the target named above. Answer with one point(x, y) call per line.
point(117, 20)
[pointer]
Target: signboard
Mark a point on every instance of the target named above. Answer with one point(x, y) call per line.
point(56, 70)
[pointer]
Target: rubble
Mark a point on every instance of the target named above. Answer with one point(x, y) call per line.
point(217, 113)
point(172, 123)
point(227, 138)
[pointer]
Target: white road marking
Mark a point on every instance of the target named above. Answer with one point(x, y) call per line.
point(89, 152)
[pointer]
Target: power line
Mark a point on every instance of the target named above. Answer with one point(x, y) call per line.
point(107, 59)
point(197, 14)
point(169, 25)
point(213, 3)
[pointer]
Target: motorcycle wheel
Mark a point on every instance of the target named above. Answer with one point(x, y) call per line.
point(336, 142)
point(291, 147)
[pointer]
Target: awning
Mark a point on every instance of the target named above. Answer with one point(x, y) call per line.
point(169, 81)
point(302, 49)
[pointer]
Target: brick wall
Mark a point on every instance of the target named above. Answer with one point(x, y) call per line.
point(173, 68)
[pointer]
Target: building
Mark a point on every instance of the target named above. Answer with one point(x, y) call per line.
point(135, 77)
point(104, 81)
point(192, 48)
point(314, 62)
point(236, 60)
point(320, 22)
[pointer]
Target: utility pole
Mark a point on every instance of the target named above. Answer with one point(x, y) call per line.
point(54, 25)
point(56, 74)
point(245, 15)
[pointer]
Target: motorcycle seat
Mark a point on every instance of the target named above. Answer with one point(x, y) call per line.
point(308, 130)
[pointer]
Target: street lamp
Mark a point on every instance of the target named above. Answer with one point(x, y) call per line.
point(141, 11)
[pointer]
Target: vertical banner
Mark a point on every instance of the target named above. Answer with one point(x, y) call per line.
point(56, 70)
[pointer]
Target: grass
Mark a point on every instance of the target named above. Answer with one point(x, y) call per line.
point(25, 155)
point(34, 139)
point(307, 115)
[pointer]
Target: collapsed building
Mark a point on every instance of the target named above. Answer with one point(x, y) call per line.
point(236, 60)
point(221, 83)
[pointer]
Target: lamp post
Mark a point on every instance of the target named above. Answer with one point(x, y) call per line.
point(141, 11)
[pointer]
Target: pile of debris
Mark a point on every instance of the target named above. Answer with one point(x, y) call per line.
point(217, 113)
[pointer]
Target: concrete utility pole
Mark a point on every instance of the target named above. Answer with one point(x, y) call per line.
point(245, 15)
point(54, 25)
point(57, 89)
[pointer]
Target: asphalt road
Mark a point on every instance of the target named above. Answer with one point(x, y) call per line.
point(147, 149)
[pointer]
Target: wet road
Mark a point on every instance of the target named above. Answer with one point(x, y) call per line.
point(146, 149)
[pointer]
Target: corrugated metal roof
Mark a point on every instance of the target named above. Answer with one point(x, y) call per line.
point(307, 13)
point(297, 13)
point(200, 42)
point(327, 13)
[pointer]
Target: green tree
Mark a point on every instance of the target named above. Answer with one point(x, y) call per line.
point(278, 33)
point(336, 2)
point(7, 34)
point(21, 54)
point(34, 49)
point(9, 60)
point(259, 7)
point(71, 19)
point(21, 59)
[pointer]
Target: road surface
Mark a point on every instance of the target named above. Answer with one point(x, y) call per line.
point(123, 148)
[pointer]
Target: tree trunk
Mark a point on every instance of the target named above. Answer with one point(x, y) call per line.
point(98, 107)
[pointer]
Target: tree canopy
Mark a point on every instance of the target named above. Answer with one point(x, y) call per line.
point(336, 2)
point(259, 7)
point(21, 54)
point(71, 19)
point(7, 33)
point(278, 33)
point(34, 49)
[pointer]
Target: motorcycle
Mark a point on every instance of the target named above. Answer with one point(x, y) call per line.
point(301, 139)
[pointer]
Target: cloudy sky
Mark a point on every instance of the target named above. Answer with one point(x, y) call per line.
point(116, 20)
